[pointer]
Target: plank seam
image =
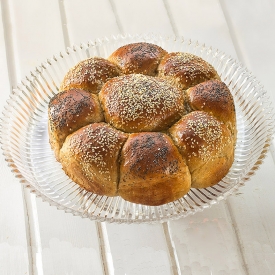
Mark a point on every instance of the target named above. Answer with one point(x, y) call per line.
point(9, 42)
point(103, 251)
point(233, 222)
point(31, 202)
point(231, 31)
point(170, 17)
point(64, 23)
point(113, 7)
point(175, 266)
point(28, 231)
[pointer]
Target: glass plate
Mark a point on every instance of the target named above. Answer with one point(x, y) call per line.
point(24, 135)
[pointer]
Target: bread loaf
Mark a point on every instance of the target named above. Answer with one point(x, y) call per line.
point(144, 124)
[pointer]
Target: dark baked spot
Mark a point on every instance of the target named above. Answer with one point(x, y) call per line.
point(67, 105)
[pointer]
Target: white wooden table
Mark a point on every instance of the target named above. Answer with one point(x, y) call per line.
point(236, 236)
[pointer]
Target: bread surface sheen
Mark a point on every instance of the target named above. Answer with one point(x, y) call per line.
point(89, 75)
point(68, 111)
point(136, 103)
point(207, 146)
point(152, 170)
point(186, 70)
point(138, 58)
point(90, 157)
point(144, 124)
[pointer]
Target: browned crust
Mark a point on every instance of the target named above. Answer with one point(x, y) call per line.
point(90, 155)
point(136, 103)
point(206, 144)
point(186, 70)
point(68, 111)
point(146, 167)
point(152, 171)
point(139, 58)
point(214, 97)
point(89, 75)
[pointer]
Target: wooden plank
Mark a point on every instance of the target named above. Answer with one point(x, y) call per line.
point(138, 249)
point(61, 243)
point(201, 21)
point(14, 256)
point(253, 216)
point(254, 37)
point(89, 19)
point(142, 17)
point(253, 209)
point(37, 33)
point(206, 243)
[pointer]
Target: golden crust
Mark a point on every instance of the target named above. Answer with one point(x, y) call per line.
point(90, 155)
point(180, 118)
point(186, 70)
point(136, 103)
point(138, 58)
point(207, 146)
point(214, 97)
point(68, 111)
point(89, 75)
point(152, 171)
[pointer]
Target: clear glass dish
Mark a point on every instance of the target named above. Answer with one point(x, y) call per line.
point(24, 135)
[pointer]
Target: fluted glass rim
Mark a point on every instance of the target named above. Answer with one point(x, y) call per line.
point(36, 90)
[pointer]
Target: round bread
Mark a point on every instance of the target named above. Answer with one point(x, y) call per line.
point(89, 75)
point(138, 58)
point(136, 103)
point(152, 170)
point(207, 146)
point(186, 70)
point(90, 157)
point(145, 124)
point(214, 97)
point(68, 111)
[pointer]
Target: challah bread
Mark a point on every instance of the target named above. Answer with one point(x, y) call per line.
point(185, 69)
point(138, 58)
point(136, 103)
point(89, 75)
point(145, 124)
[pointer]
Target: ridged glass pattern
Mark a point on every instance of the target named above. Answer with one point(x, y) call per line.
point(24, 135)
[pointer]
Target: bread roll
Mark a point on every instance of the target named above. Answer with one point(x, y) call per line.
point(186, 70)
point(207, 146)
point(89, 157)
point(68, 111)
point(89, 75)
point(138, 58)
point(136, 103)
point(214, 97)
point(152, 171)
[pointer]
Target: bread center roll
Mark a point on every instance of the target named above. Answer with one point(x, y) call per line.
point(137, 103)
